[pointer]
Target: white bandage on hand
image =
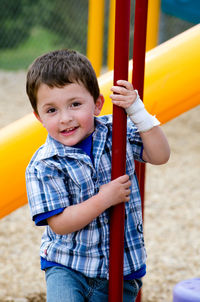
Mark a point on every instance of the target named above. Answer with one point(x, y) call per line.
point(143, 120)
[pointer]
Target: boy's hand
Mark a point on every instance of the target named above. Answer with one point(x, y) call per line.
point(124, 94)
point(116, 191)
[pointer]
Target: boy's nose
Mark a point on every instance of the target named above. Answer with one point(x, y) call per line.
point(65, 117)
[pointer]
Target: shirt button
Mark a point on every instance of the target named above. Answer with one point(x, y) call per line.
point(106, 220)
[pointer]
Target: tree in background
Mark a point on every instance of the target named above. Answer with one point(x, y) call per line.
point(68, 20)
point(15, 22)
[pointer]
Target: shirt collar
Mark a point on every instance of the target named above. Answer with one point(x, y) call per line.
point(54, 148)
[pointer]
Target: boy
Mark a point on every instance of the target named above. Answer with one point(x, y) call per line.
point(69, 178)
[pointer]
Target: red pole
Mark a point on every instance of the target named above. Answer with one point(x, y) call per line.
point(121, 59)
point(140, 29)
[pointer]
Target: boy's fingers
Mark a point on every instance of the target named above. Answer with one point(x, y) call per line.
point(122, 90)
point(124, 178)
point(126, 84)
point(119, 103)
point(121, 97)
point(128, 192)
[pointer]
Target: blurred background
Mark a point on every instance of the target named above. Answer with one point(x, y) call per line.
point(30, 28)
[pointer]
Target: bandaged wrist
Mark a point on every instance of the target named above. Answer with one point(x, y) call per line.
point(143, 120)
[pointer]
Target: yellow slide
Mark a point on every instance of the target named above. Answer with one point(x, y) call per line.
point(172, 87)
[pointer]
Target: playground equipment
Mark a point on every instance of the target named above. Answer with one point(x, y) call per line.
point(187, 291)
point(121, 58)
point(171, 88)
point(188, 10)
point(171, 84)
point(122, 20)
point(95, 31)
point(95, 34)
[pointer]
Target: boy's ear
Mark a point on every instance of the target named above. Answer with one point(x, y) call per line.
point(99, 104)
point(37, 116)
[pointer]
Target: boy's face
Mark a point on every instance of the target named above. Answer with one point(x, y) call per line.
point(67, 112)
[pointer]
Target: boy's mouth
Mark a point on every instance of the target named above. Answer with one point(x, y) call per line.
point(68, 131)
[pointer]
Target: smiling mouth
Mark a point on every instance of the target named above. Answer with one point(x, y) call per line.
point(68, 131)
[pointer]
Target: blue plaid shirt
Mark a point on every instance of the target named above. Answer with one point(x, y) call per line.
point(59, 176)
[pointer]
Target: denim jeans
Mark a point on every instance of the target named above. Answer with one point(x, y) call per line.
point(66, 285)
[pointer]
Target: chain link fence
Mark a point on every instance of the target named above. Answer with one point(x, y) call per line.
point(29, 28)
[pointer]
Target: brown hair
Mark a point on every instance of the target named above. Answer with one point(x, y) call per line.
point(59, 68)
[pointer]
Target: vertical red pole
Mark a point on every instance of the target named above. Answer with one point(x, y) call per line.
point(121, 59)
point(140, 29)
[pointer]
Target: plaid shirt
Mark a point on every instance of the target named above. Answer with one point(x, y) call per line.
point(59, 176)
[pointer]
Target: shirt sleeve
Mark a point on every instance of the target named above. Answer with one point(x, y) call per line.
point(46, 188)
point(41, 219)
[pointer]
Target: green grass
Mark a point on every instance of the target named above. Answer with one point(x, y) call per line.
point(39, 42)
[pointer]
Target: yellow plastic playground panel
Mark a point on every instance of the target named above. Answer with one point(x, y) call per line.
point(172, 77)
point(172, 80)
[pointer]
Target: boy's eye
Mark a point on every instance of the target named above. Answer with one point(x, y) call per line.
point(76, 104)
point(51, 110)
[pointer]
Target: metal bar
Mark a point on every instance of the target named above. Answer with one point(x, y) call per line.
point(152, 24)
point(111, 34)
point(140, 29)
point(121, 58)
point(95, 33)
